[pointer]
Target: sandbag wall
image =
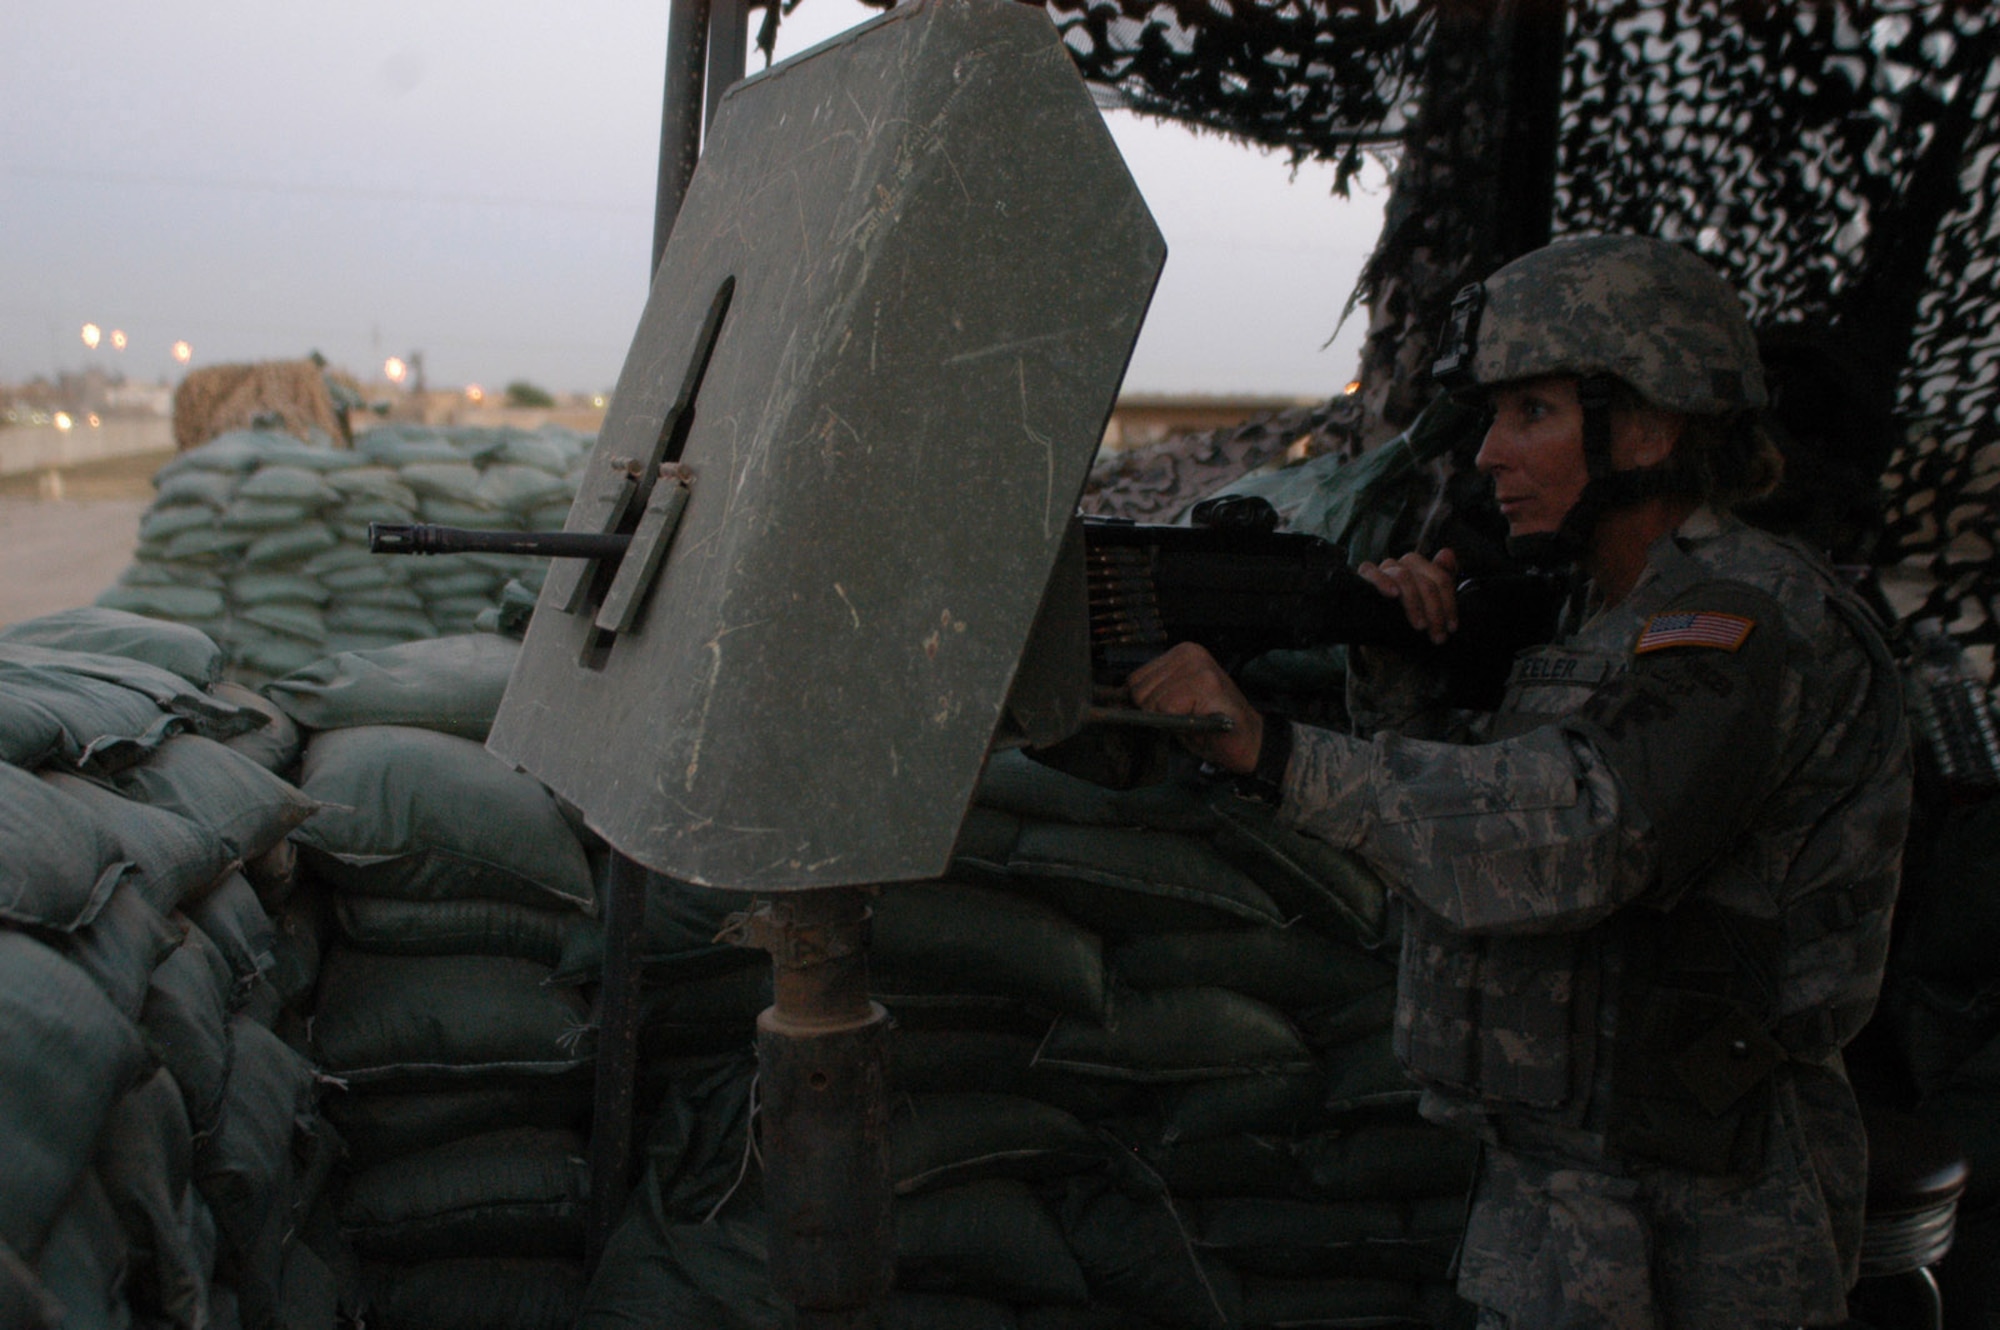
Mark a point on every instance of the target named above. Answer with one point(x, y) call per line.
point(162, 1144)
point(1141, 1077)
point(261, 541)
point(462, 1068)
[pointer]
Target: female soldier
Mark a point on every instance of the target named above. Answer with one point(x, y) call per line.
point(1648, 903)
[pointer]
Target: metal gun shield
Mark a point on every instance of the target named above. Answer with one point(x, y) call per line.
point(885, 337)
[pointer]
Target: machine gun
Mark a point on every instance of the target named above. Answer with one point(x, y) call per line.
point(1230, 582)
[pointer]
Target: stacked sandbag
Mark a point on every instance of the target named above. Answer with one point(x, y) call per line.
point(1141, 1076)
point(453, 885)
point(260, 540)
point(162, 1138)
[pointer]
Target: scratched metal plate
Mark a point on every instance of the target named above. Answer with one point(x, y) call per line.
point(935, 266)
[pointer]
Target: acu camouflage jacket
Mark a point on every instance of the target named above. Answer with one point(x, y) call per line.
point(1728, 738)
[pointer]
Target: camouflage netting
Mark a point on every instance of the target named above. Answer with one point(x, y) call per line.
point(1837, 161)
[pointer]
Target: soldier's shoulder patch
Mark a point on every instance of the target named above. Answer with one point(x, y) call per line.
point(1694, 628)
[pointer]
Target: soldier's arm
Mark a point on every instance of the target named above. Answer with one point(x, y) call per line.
point(1556, 828)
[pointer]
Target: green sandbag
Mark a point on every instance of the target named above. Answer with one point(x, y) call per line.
point(145, 1162)
point(379, 1126)
point(168, 518)
point(122, 947)
point(1365, 1074)
point(391, 602)
point(244, 1171)
point(402, 445)
point(173, 858)
point(86, 711)
point(213, 488)
point(377, 482)
point(1289, 968)
point(944, 1140)
point(679, 938)
point(218, 788)
point(476, 1293)
point(711, 1013)
point(451, 684)
point(417, 815)
point(257, 654)
point(456, 482)
point(289, 545)
point(1332, 1302)
point(352, 616)
point(986, 841)
point(437, 583)
point(951, 938)
point(275, 745)
point(185, 1016)
point(235, 921)
point(409, 1021)
point(1138, 1253)
point(1287, 1239)
point(518, 488)
point(510, 1193)
point(287, 619)
point(1015, 783)
point(263, 515)
point(186, 652)
point(168, 691)
point(988, 1239)
point(946, 1061)
point(299, 937)
point(1117, 880)
point(935, 1311)
point(1282, 1105)
point(1379, 1160)
point(24, 1303)
point(1181, 1034)
point(66, 1056)
point(1241, 1165)
point(1341, 1023)
point(448, 928)
point(58, 863)
point(204, 544)
point(1313, 882)
point(295, 485)
point(665, 1277)
point(277, 588)
point(185, 604)
point(83, 1265)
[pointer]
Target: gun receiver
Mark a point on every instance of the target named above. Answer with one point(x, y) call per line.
point(1240, 591)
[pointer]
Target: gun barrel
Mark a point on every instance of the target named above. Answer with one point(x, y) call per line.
point(424, 538)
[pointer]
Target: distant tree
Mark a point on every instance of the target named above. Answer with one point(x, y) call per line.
point(522, 393)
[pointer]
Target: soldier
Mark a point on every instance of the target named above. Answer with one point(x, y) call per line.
point(1648, 901)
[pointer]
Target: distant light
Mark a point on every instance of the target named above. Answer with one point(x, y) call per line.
point(183, 352)
point(474, 393)
point(117, 339)
point(598, 401)
point(92, 335)
point(1353, 387)
point(395, 369)
point(63, 422)
point(94, 421)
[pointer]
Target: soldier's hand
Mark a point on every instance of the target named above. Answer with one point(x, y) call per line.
point(1428, 589)
point(1186, 681)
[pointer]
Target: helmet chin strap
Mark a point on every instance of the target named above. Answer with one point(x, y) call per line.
point(1604, 490)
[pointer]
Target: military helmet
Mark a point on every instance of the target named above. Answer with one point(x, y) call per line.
point(1646, 311)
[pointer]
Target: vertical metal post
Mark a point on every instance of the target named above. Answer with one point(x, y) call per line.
point(822, 1055)
point(680, 117)
point(624, 918)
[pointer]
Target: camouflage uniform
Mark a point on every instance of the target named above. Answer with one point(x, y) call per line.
point(1564, 876)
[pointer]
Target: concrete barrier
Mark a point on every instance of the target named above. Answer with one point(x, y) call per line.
point(26, 448)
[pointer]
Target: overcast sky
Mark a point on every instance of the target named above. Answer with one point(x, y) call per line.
point(475, 182)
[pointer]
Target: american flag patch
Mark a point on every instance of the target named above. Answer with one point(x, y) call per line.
point(1698, 628)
